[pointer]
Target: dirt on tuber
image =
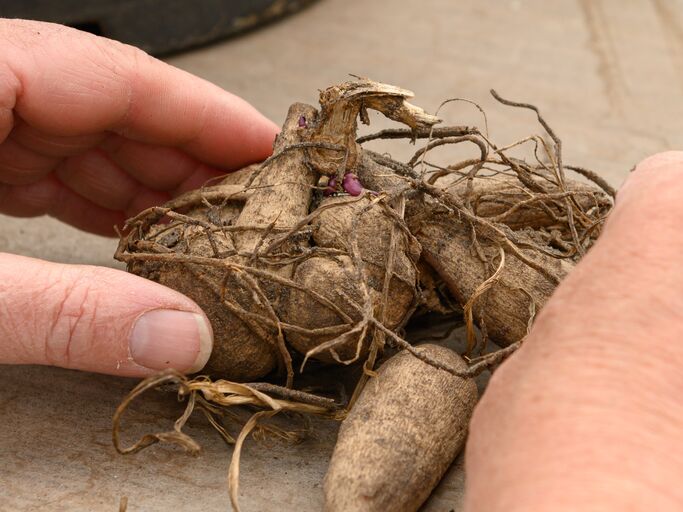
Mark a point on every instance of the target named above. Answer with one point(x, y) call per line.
point(405, 430)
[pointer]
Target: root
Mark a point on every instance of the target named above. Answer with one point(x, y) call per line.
point(213, 399)
point(424, 133)
point(483, 287)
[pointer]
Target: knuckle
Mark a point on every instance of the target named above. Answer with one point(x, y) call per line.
point(29, 200)
point(125, 64)
point(9, 87)
point(73, 311)
point(114, 55)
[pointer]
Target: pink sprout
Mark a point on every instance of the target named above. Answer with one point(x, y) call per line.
point(331, 187)
point(352, 185)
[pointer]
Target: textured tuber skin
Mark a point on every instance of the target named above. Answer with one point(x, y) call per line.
point(242, 347)
point(246, 254)
point(405, 430)
point(335, 278)
point(491, 197)
point(508, 307)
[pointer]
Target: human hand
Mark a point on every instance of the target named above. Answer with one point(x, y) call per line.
point(91, 132)
point(588, 414)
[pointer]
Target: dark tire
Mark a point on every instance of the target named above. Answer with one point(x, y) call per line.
point(157, 26)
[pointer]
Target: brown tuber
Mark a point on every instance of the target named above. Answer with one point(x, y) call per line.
point(276, 266)
point(405, 430)
point(326, 250)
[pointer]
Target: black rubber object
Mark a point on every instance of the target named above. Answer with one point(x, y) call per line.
point(157, 26)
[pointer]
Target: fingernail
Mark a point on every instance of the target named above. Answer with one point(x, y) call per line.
point(167, 338)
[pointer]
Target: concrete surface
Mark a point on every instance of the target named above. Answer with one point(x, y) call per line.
point(608, 76)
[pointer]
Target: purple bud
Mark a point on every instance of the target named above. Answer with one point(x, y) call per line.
point(352, 185)
point(331, 187)
point(302, 122)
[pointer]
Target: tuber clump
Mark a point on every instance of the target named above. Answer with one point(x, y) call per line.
point(327, 250)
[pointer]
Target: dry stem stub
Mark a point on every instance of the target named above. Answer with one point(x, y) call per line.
point(326, 249)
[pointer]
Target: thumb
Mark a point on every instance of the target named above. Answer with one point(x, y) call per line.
point(97, 319)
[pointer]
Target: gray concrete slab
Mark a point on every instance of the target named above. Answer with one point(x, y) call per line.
point(608, 76)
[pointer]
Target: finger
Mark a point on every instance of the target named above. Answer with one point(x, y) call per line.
point(644, 226)
point(97, 319)
point(9, 86)
point(49, 196)
point(156, 167)
point(599, 371)
point(53, 145)
point(73, 83)
point(20, 166)
point(95, 177)
point(634, 255)
point(650, 193)
point(144, 199)
point(198, 179)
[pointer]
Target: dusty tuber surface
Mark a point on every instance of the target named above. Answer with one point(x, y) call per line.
point(466, 257)
point(405, 430)
point(275, 265)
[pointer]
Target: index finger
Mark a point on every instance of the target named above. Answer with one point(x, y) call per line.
point(68, 82)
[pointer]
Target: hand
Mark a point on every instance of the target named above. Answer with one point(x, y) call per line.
point(588, 414)
point(91, 132)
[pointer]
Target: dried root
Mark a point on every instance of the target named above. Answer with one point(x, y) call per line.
point(215, 400)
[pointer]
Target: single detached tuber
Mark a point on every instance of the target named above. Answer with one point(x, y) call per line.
point(405, 430)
